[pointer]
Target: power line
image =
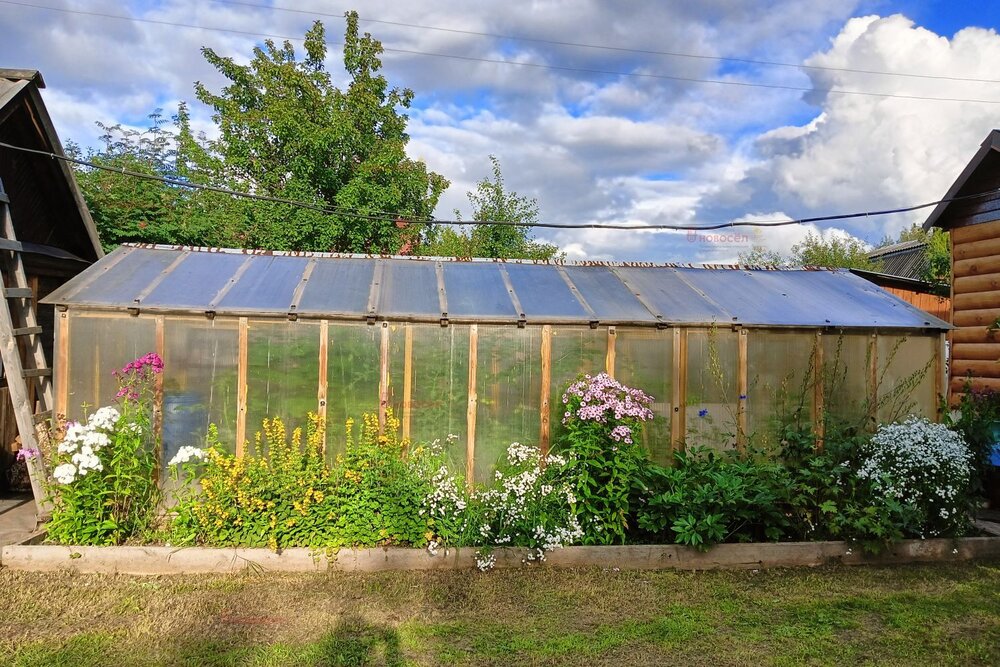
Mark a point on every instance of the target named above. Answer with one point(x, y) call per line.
point(605, 47)
point(394, 217)
point(561, 68)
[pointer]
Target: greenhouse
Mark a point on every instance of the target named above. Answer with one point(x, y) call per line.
point(482, 349)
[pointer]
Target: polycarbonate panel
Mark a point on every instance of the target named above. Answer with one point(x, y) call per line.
point(195, 281)
point(282, 372)
point(352, 379)
point(906, 367)
point(712, 389)
point(266, 286)
point(409, 289)
point(543, 293)
point(126, 279)
point(671, 297)
point(201, 360)
point(99, 345)
point(508, 389)
point(846, 361)
point(780, 384)
point(644, 359)
point(439, 386)
point(476, 289)
point(609, 298)
point(338, 285)
point(576, 351)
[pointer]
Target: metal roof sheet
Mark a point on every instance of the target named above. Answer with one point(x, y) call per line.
point(248, 282)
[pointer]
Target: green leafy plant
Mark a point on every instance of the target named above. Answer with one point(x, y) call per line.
point(977, 418)
point(104, 473)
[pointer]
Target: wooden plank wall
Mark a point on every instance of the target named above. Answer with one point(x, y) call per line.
point(975, 347)
point(938, 306)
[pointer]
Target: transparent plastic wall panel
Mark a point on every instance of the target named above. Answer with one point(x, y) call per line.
point(906, 377)
point(397, 364)
point(780, 384)
point(671, 297)
point(99, 345)
point(576, 351)
point(352, 379)
point(201, 359)
point(128, 278)
point(282, 372)
point(266, 286)
point(508, 387)
point(543, 293)
point(338, 286)
point(644, 359)
point(439, 386)
point(194, 282)
point(845, 379)
point(712, 388)
point(477, 290)
point(608, 296)
point(409, 289)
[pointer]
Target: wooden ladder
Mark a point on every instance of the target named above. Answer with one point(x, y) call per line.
point(29, 378)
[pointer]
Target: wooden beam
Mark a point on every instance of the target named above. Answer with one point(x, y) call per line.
point(383, 377)
point(977, 368)
point(940, 370)
point(976, 267)
point(158, 394)
point(975, 233)
point(975, 351)
point(61, 353)
point(609, 359)
point(977, 300)
point(743, 384)
point(873, 380)
point(979, 334)
point(321, 389)
point(983, 248)
point(818, 411)
point(987, 282)
point(470, 412)
point(407, 381)
point(983, 317)
point(546, 390)
point(241, 387)
point(679, 386)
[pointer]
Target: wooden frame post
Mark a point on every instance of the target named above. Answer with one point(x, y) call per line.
point(678, 420)
point(609, 359)
point(241, 387)
point(61, 372)
point(407, 380)
point(873, 380)
point(546, 390)
point(159, 325)
point(470, 412)
point(321, 389)
point(818, 408)
point(383, 377)
point(942, 385)
point(742, 382)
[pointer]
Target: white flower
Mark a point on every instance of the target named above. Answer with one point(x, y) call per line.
point(104, 419)
point(186, 453)
point(65, 473)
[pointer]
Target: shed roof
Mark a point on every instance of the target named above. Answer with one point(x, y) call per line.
point(903, 260)
point(978, 178)
point(264, 283)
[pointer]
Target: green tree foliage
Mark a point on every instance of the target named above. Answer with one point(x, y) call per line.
point(491, 201)
point(848, 253)
point(284, 130)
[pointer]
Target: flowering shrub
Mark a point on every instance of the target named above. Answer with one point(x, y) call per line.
point(926, 466)
point(603, 421)
point(528, 503)
point(104, 469)
point(284, 494)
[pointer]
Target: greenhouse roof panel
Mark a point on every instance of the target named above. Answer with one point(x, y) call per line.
point(245, 282)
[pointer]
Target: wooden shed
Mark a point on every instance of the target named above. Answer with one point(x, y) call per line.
point(973, 220)
point(902, 268)
point(48, 237)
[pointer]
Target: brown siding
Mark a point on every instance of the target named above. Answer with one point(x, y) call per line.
point(938, 306)
point(975, 352)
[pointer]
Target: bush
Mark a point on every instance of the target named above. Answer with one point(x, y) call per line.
point(923, 465)
point(104, 469)
point(603, 422)
point(977, 419)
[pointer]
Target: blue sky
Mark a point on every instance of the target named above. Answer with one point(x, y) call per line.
point(621, 148)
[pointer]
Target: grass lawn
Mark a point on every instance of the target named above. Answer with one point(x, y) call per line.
point(932, 615)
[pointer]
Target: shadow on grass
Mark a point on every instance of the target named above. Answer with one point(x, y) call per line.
point(356, 643)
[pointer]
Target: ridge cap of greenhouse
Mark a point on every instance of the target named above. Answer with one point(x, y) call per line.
point(339, 286)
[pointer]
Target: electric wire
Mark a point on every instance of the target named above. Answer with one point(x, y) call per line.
point(530, 65)
point(397, 217)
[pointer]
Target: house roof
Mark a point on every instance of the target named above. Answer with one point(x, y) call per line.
point(46, 205)
point(986, 160)
point(902, 260)
point(312, 285)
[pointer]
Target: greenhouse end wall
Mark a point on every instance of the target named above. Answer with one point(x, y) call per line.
point(491, 385)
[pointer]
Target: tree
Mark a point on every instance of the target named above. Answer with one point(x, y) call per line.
point(839, 252)
point(491, 202)
point(937, 251)
point(287, 131)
